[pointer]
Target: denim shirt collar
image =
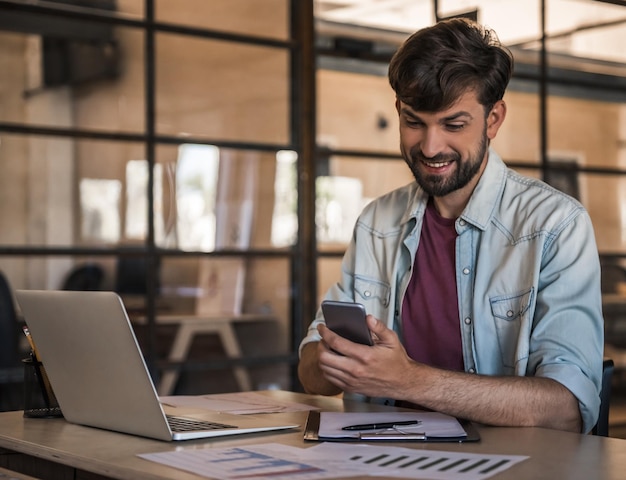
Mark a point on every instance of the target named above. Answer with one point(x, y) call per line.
point(417, 204)
point(484, 199)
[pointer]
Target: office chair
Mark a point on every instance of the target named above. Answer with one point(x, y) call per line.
point(8, 326)
point(85, 277)
point(602, 427)
point(11, 370)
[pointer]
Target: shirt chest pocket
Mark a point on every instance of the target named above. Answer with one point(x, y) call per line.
point(512, 325)
point(373, 295)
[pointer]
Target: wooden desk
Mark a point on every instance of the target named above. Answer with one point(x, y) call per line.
point(53, 448)
point(189, 326)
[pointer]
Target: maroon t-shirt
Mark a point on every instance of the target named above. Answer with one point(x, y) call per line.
point(430, 314)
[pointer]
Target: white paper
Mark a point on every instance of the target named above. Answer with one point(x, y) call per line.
point(336, 460)
point(243, 403)
point(269, 461)
point(432, 424)
point(399, 462)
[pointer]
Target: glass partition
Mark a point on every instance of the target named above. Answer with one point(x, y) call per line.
point(356, 111)
point(65, 191)
point(48, 83)
point(245, 82)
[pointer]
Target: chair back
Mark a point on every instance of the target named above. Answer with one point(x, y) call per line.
point(85, 277)
point(602, 427)
point(9, 356)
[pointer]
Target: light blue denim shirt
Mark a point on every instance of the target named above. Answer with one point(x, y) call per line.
point(527, 273)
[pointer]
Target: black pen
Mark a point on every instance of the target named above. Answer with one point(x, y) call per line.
point(376, 426)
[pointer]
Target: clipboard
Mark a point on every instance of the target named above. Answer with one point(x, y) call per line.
point(311, 433)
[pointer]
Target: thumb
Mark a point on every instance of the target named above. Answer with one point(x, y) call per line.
point(378, 329)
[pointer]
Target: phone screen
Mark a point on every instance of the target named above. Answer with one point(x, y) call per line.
point(348, 320)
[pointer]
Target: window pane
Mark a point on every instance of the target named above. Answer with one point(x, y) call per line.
point(44, 199)
point(117, 104)
point(586, 29)
point(109, 160)
point(268, 18)
point(356, 112)
point(592, 132)
point(350, 185)
point(232, 210)
point(222, 90)
point(400, 16)
point(518, 139)
point(604, 196)
point(378, 176)
point(588, 122)
point(512, 20)
point(39, 200)
point(71, 83)
point(339, 200)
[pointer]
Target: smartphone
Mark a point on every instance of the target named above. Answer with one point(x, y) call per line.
point(348, 320)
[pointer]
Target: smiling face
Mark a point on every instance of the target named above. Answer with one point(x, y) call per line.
point(447, 150)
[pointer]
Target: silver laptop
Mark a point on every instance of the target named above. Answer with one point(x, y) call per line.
point(98, 374)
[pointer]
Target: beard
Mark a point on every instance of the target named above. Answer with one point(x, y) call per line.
point(441, 185)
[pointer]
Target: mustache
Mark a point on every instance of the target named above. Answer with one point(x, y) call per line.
point(417, 154)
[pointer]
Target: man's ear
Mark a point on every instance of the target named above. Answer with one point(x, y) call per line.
point(495, 118)
point(398, 106)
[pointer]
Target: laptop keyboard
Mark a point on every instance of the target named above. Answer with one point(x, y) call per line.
point(180, 424)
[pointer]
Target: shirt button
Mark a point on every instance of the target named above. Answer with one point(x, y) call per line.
point(466, 271)
point(472, 370)
point(509, 313)
point(462, 223)
point(468, 321)
point(367, 293)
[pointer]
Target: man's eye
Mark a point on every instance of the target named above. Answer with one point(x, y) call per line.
point(453, 127)
point(412, 123)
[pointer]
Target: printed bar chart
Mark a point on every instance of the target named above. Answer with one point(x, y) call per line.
point(326, 460)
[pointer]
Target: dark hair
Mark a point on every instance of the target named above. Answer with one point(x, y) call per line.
point(438, 64)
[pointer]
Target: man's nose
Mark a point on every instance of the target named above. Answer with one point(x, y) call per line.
point(432, 143)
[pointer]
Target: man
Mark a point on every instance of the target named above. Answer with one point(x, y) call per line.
point(482, 286)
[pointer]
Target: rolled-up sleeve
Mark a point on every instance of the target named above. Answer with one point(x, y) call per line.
point(567, 341)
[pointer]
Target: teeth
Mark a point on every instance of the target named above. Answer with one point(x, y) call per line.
point(437, 165)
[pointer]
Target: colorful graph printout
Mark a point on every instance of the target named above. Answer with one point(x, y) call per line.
point(332, 460)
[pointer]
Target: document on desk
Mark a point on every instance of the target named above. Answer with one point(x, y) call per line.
point(325, 460)
point(241, 403)
point(400, 426)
